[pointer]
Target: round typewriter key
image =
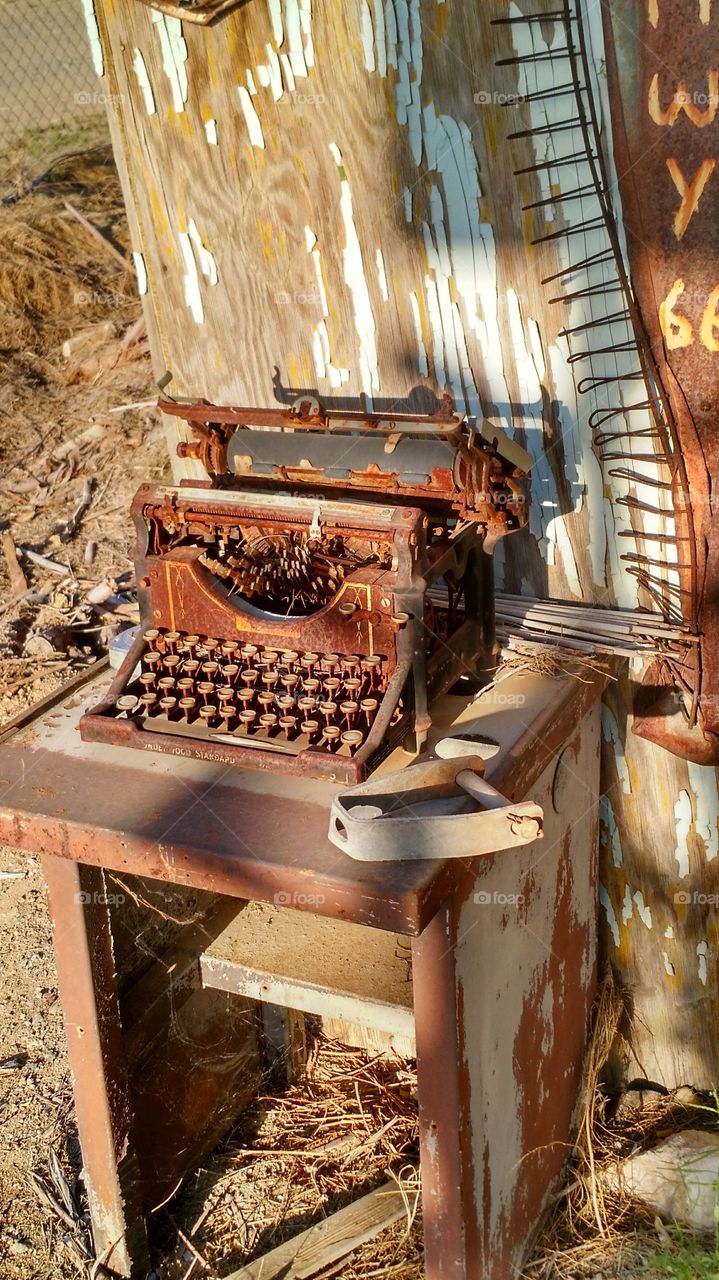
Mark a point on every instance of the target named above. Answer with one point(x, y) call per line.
point(311, 728)
point(152, 661)
point(245, 697)
point(268, 721)
point(208, 713)
point(290, 682)
point(168, 705)
point(225, 695)
point(352, 739)
point(266, 700)
point(205, 689)
point(247, 720)
point(186, 686)
point(328, 710)
point(369, 707)
point(270, 656)
point(172, 639)
point(149, 703)
point(371, 668)
point(166, 683)
point(232, 671)
point(306, 704)
point(351, 664)
point(352, 686)
point(349, 711)
point(227, 716)
point(148, 680)
point(229, 648)
point(172, 662)
point(128, 704)
point(330, 737)
point(191, 643)
point(250, 677)
point(288, 725)
point(151, 637)
point(191, 668)
point(329, 663)
point(289, 657)
point(210, 670)
point(309, 661)
point(187, 707)
point(311, 687)
point(285, 703)
point(248, 653)
point(270, 679)
point(331, 685)
point(211, 645)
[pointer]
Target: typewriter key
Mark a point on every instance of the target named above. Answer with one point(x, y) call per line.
point(331, 686)
point(309, 661)
point(250, 677)
point(245, 697)
point(289, 658)
point(330, 738)
point(187, 707)
point(191, 643)
point(166, 684)
point(208, 713)
point(349, 711)
point(225, 695)
point(128, 704)
point(311, 687)
point(148, 680)
point(352, 739)
point(205, 689)
point(268, 722)
point(248, 653)
point(270, 679)
point(311, 728)
point(185, 686)
point(306, 704)
point(149, 703)
point(290, 682)
point(328, 710)
point(211, 646)
point(172, 639)
point(210, 669)
point(151, 637)
point(152, 661)
point(172, 663)
point(266, 700)
point(191, 668)
point(232, 672)
point(227, 716)
point(247, 720)
point(168, 706)
point(329, 663)
point(288, 725)
point(371, 669)
point(229, 648)
point(270, 656)
point(369, 707)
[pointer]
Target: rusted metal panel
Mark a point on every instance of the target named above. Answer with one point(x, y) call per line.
point(664, 101)
point(504, 982)
point(87, 986)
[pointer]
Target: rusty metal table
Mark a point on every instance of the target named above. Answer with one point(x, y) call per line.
point(503, 955)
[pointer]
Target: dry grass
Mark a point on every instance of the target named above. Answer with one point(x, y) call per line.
point(300, 1154)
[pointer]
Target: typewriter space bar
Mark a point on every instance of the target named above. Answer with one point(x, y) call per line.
point(157, 724)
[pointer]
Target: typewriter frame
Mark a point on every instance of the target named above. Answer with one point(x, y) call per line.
point(392, 623)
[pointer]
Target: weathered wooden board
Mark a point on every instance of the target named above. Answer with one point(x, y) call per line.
point(322, 196)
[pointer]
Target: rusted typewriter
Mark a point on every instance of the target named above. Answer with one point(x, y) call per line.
point(304, 605)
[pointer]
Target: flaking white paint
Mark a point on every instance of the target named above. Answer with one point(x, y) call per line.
point(683, 819)
point(252, 120)
point(174, 56)
point(93, 35)
point(138, 66)
point(140, 272)
point(356, 281)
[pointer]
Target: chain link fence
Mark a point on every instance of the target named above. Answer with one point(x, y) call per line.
point(47, 80)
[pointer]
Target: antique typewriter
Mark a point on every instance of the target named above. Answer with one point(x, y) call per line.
point(304, 605)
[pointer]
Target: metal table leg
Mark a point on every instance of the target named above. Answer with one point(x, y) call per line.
point(88, 991)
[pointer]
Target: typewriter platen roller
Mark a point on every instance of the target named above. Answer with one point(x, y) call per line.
point(304, 606)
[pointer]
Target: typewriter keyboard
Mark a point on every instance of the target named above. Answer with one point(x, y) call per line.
point(284, 700)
